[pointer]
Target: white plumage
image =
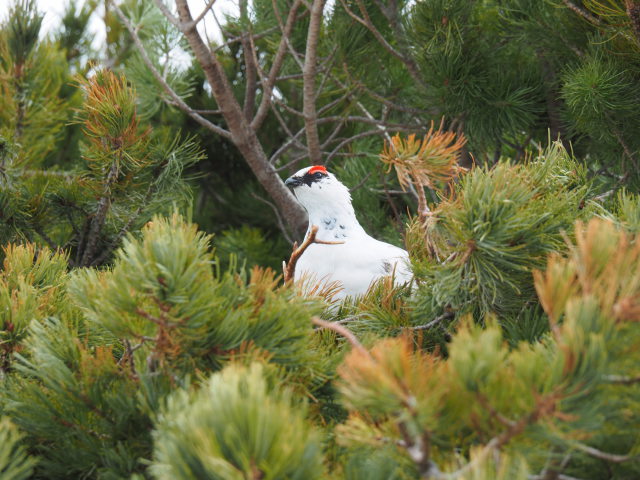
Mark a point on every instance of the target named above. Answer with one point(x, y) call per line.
point(357, 262)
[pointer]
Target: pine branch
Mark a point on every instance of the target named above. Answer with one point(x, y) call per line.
point(97, 222)
point(125, 228)
point(365, 20)
point(609, 457)
point(633, 12)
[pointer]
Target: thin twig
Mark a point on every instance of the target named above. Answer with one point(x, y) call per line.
point(361, 182)
point(238, 39)
point(341, 330)
point(609, 457)
point(281, 224)
point(434, 322)
point(125, 228)
point(621, 380)
point(289, 268)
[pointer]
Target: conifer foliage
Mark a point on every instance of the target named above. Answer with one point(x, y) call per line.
point(131, 348)
point(123, 171)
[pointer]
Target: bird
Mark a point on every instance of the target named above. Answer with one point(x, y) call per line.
point(354, 259)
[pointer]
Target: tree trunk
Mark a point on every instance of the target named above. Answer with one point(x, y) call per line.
point(242, 135)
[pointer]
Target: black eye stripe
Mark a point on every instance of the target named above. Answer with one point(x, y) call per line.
point(308, 178)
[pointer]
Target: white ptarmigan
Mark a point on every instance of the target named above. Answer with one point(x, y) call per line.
point(357, 262)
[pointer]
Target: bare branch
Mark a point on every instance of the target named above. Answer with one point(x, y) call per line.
point(125, 228)
point(178, 102)
point(97, 222)
point(289, 269)
point(242, 135)
point(331, 137)
point(335, 102)
point(368, 120)
point(308, 89)
point(560, 476)
point(251, 68)
point(326, 69)
point(633, 12)
point(285, 127)
point(238, 39)
point(395, 106)
point(289, 108)
point(199, 18)
point(293, 139)
point(52, 245)
point(267, 85)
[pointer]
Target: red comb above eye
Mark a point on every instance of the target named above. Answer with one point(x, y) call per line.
point(316, 169)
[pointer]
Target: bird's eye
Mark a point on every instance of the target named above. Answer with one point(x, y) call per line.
point(318, 174)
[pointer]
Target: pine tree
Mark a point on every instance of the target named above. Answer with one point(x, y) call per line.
point(122, 174)
point(131, 348)
point(14, 463)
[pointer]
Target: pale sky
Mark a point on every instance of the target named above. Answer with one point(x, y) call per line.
point(53, 10)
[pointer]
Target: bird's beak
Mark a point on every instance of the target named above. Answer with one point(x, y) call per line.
point(293, 182)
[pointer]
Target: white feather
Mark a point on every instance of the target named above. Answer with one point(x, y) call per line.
point(361, 259)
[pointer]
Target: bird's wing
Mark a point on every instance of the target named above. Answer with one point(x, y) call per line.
point(356, 264)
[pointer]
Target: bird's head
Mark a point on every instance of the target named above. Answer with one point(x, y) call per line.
point(317, 189)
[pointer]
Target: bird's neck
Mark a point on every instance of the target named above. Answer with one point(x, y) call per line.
point(335, 222)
